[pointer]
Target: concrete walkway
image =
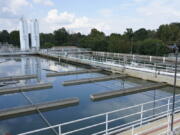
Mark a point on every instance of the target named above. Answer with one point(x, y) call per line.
point(154, 128)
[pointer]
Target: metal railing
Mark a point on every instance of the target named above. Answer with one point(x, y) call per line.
point(136, 115)
point(135, 56)
point(156, 68)
point(18, 52)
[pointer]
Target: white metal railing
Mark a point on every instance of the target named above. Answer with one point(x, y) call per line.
point(122, 59)
point(18, 52)
point(156, 68)
point(134, 56)
point(136, 116)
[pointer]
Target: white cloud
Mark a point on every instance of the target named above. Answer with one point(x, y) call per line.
point(10, 12)
point(13, 6)
point(144, 14)
point(44, 2)
point(9, 24)
point(59, 18)
point(106, 12)
point(157, 12)
point(160, 9)
point(83, 24)
point(135, 14)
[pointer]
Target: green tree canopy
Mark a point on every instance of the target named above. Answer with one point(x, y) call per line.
point(4, 36)
point(60, 36)
point(151, 47)
point(14, 38)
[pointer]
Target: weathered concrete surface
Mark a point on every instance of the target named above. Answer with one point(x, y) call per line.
point(25, 88)
point(21, 77)
point(146, 75)
point(156, 127)
point(116, 93)
point(66, 60)
point(13, 112)
point(130, 72)
point(91, 80)
point(73, 72)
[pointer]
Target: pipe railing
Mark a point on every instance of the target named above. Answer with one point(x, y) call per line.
point(144, 113)
point(107, 63)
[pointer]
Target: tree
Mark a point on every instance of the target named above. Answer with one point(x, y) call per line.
point(140, 34)
point(169, 33)
point(46, 39)
point(151, 47)
point(74, 39)
point(61, 36)
point(48, 45)
point(15, 38)
point(96, 40)
point(4, 36)
point(118, 43)
point(129, 34)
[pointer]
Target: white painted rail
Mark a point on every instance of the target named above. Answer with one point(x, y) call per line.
point(162, 108)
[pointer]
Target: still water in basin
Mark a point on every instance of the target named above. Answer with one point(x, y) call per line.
point(11, 66)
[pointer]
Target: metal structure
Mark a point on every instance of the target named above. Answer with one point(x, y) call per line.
point(35, 43)
point(142, 113)
point(156, 109)
point(174, 87)
point(105, 62)
point(24, 35)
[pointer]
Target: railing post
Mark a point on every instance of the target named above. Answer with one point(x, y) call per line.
point(133, 57)
point(106, 123)
point(132, 132)
point(141, 114)
point(164, 59)
point(168, 115)
point(60, 130)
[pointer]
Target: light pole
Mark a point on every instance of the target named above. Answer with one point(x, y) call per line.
point(176, 50)
point(131, 40)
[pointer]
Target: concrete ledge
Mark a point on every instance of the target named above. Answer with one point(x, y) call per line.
point(73, 72)
point(91, 80)
point(22, 77)
point(116, 93)
point(25, 88)
point(146, 75)
point(14, 112)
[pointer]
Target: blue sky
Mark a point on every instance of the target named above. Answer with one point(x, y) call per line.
point(109, 16)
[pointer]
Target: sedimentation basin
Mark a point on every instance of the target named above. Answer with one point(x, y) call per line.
point(34, 65)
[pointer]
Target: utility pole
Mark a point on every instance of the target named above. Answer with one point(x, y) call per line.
point(176, 50)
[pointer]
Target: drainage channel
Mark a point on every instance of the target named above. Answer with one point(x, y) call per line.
point(39, 112)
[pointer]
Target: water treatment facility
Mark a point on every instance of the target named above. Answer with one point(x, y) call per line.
point(76, 91)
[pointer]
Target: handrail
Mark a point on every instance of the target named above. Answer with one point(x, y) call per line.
point(133, 124)
point(122, 126)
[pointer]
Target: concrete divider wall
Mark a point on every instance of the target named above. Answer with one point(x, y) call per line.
point(146, 75)
point(130, 72)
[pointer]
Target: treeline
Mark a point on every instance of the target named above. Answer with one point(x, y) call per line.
point(142, 41)
point(11, 38)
